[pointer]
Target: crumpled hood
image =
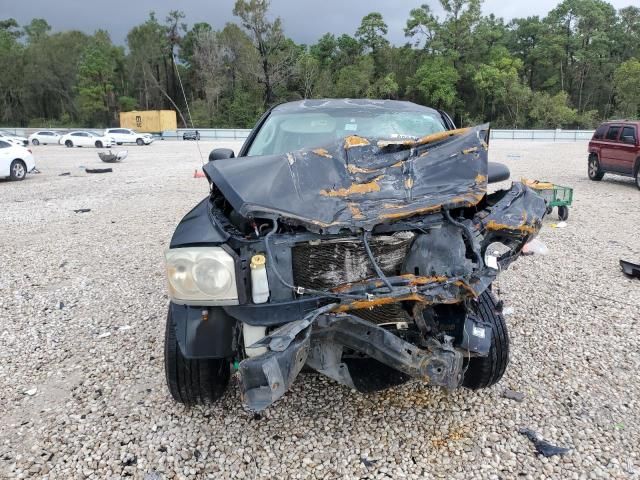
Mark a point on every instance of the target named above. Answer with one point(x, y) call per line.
point(358, 182)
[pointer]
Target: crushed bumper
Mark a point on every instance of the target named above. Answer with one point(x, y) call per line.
point(320, 339)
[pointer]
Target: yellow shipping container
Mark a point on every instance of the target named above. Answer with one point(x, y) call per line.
point(149, 121)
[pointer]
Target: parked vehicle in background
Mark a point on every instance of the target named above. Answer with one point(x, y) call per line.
point(15, 160)
point(44, 137)
point(615, 148)
point(125, 135)
point(193, 135)
point(86, 139)
point(14, 139)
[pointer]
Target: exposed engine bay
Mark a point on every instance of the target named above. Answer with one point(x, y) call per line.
point(370, 261)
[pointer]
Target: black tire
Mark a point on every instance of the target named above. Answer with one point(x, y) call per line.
point(140, 142)
point(98, 144)
point(192, 382)
point(68, 144)
point(118, 143)
point(35, 142)
point(563, 213)
point(638, 175)
point(593, 170)
point(17, 170)
point(483, 372)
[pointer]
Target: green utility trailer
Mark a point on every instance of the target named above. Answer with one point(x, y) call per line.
point(555, 196)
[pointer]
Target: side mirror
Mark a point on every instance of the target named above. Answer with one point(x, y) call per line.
point(220, 154)
point(629, 139)
point(497, 172)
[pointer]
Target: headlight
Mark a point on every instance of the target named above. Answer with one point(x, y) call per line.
point(201, 276)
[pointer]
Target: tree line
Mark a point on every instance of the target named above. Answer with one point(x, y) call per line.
point(576, 66)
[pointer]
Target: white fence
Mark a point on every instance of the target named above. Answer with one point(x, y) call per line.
point(242, 133)
point(543, 135)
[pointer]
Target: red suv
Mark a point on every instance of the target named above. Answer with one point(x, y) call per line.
point(614, 148)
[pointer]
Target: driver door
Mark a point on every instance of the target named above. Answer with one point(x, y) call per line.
point(5, 158)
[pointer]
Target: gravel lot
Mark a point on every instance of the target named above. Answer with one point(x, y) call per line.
point(82, 312)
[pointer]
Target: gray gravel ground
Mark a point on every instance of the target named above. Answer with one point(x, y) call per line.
point(82, 312)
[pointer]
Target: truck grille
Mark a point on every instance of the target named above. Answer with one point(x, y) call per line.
point(336, 262)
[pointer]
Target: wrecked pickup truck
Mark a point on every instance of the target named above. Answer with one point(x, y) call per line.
point(354, 237)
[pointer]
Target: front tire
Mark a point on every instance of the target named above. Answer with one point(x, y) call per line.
point(17, 170)
point(139, 142)
point(594, 171)
point(638, 177)
point(35, 142)
point(483, 372)
point(98, 144)
point(192, 382)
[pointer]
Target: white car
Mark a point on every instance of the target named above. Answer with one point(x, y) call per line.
point(11, 138)
point(125, 135)
point(15, 160)
point(86, 139)
point(44, 137)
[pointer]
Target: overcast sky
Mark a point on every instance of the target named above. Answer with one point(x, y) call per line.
point(304, 20)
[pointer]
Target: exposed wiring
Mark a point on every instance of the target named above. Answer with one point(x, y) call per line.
point(467, 233)
point(376, 267)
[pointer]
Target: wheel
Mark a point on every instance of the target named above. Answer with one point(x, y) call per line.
point(98, 144)
point(35, 142)
point(184, 137)
point(140, 142)
point(563, 213)
point(638, 177)
point(594, 171)
point(483, 372)
point(118, 143)
point(17, 170)
point(68, 144)
point(192, 382)
point(549, 210)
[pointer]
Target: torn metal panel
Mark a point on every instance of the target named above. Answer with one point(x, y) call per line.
point(358, 183)
point(518, 212)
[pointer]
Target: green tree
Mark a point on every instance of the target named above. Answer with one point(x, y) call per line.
point(627, 88)
point(96, 78)
point(37, 30)
point(499, 84)
point(275, 55)
point(371, 32)
point(355, 80)
point(552, 111)
point(422, 25)
point(435, 83)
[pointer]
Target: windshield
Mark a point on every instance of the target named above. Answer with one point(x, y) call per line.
point(288, 132)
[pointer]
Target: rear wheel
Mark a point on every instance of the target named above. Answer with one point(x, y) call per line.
point(17, 170)
point(192, 382)
point(98, 144)
point(35, 141)
point(483, 372)
point(638, 176)
point(68, 144)
point(594, 171)
point(563, 213)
